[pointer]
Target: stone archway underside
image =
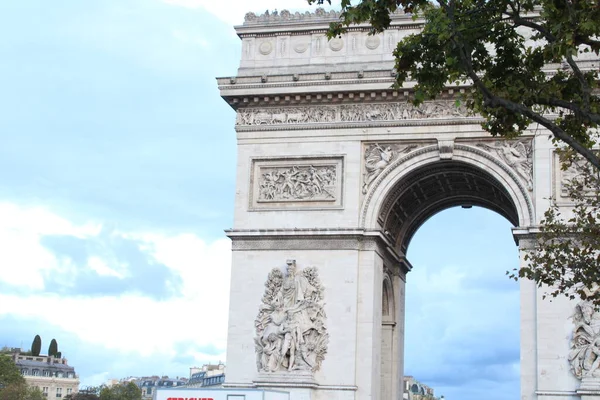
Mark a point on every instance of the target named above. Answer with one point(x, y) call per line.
point(436, 187)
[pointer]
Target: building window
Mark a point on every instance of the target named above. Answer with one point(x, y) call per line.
point(58, 392)
point(24, 371)
point(149, 391)
point(69, 390)
point(35, 372)
point(45, 373)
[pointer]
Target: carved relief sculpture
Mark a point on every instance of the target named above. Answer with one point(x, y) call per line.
point(290, 327)
point(348, 113)
point(517, 154)
point(584, 355)
point(297, 183)
point(377, 159)
point(575, 175)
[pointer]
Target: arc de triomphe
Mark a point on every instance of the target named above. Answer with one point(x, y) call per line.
point(335, 173)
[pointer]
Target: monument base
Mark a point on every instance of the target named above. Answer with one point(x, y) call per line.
point(295, 379)
point(589, 388)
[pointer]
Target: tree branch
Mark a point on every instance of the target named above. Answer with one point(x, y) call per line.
point(493, 101)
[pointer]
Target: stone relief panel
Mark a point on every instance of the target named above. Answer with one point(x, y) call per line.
point(348, 113)
point(517, 154)
point(291, 332)
point(301, 182)
point(573, 174)
point(378, 157)
point(584, 354)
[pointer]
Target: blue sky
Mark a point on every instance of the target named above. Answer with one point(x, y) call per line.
point(117, 163)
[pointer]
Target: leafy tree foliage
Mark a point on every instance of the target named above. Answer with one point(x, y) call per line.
point(499, 51)
point(123, 391)
point(82, 396)
point(12, 383)
point(9, 372)
point(567, 256)
point(36, 346)
point(481, 43)
point(53, 348)
point(21, 391)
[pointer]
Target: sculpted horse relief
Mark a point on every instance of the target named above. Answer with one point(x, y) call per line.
point(290, 326)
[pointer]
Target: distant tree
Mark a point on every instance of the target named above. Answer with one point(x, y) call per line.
point(36, 346)
point(21, 391)
point(82, 395)
point(53, 348)
point(123, 391)
point(9, 372)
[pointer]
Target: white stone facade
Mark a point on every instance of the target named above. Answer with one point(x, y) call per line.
point(329, 160)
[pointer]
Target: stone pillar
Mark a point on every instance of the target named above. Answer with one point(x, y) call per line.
point(528, 296)
point(368, 340)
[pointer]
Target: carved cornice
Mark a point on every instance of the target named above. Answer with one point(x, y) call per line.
point(309, 239)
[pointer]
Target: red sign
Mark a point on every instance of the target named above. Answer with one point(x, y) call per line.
point(190, 398)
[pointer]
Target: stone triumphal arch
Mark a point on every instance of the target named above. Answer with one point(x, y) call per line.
point(335, 173)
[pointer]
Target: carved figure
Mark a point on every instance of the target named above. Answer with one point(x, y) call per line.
point(575, 174)
point(348, 113)
point(584, 356)
point(517, 155)
point(297, 183)
point(376, 160)
point(290, 326)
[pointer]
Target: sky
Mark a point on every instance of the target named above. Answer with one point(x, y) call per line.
point(117, 164)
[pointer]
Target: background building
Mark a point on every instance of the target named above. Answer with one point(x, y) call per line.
point(52, 375)
point(209, 375)
point(415, 390)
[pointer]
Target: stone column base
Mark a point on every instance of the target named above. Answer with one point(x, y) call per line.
point(589, 388)
point(295, 379)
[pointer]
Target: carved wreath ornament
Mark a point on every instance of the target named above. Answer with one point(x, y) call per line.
point(290, 326)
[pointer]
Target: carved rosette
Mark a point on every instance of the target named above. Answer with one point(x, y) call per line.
point(517, 154)
point(349, 113)
point(291, 334)
point(584, 354)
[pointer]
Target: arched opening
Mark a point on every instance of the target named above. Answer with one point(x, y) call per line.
point(462, 321)
point(407, 201)
point(436, 187)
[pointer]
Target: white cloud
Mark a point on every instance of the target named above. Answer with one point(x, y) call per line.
point(127, 322)
point(22, 259)
point(233, 11)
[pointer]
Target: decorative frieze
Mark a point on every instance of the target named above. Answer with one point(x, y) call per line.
point(517, 154)
point(291, 332)
point(349, 113)
point(303, 182)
